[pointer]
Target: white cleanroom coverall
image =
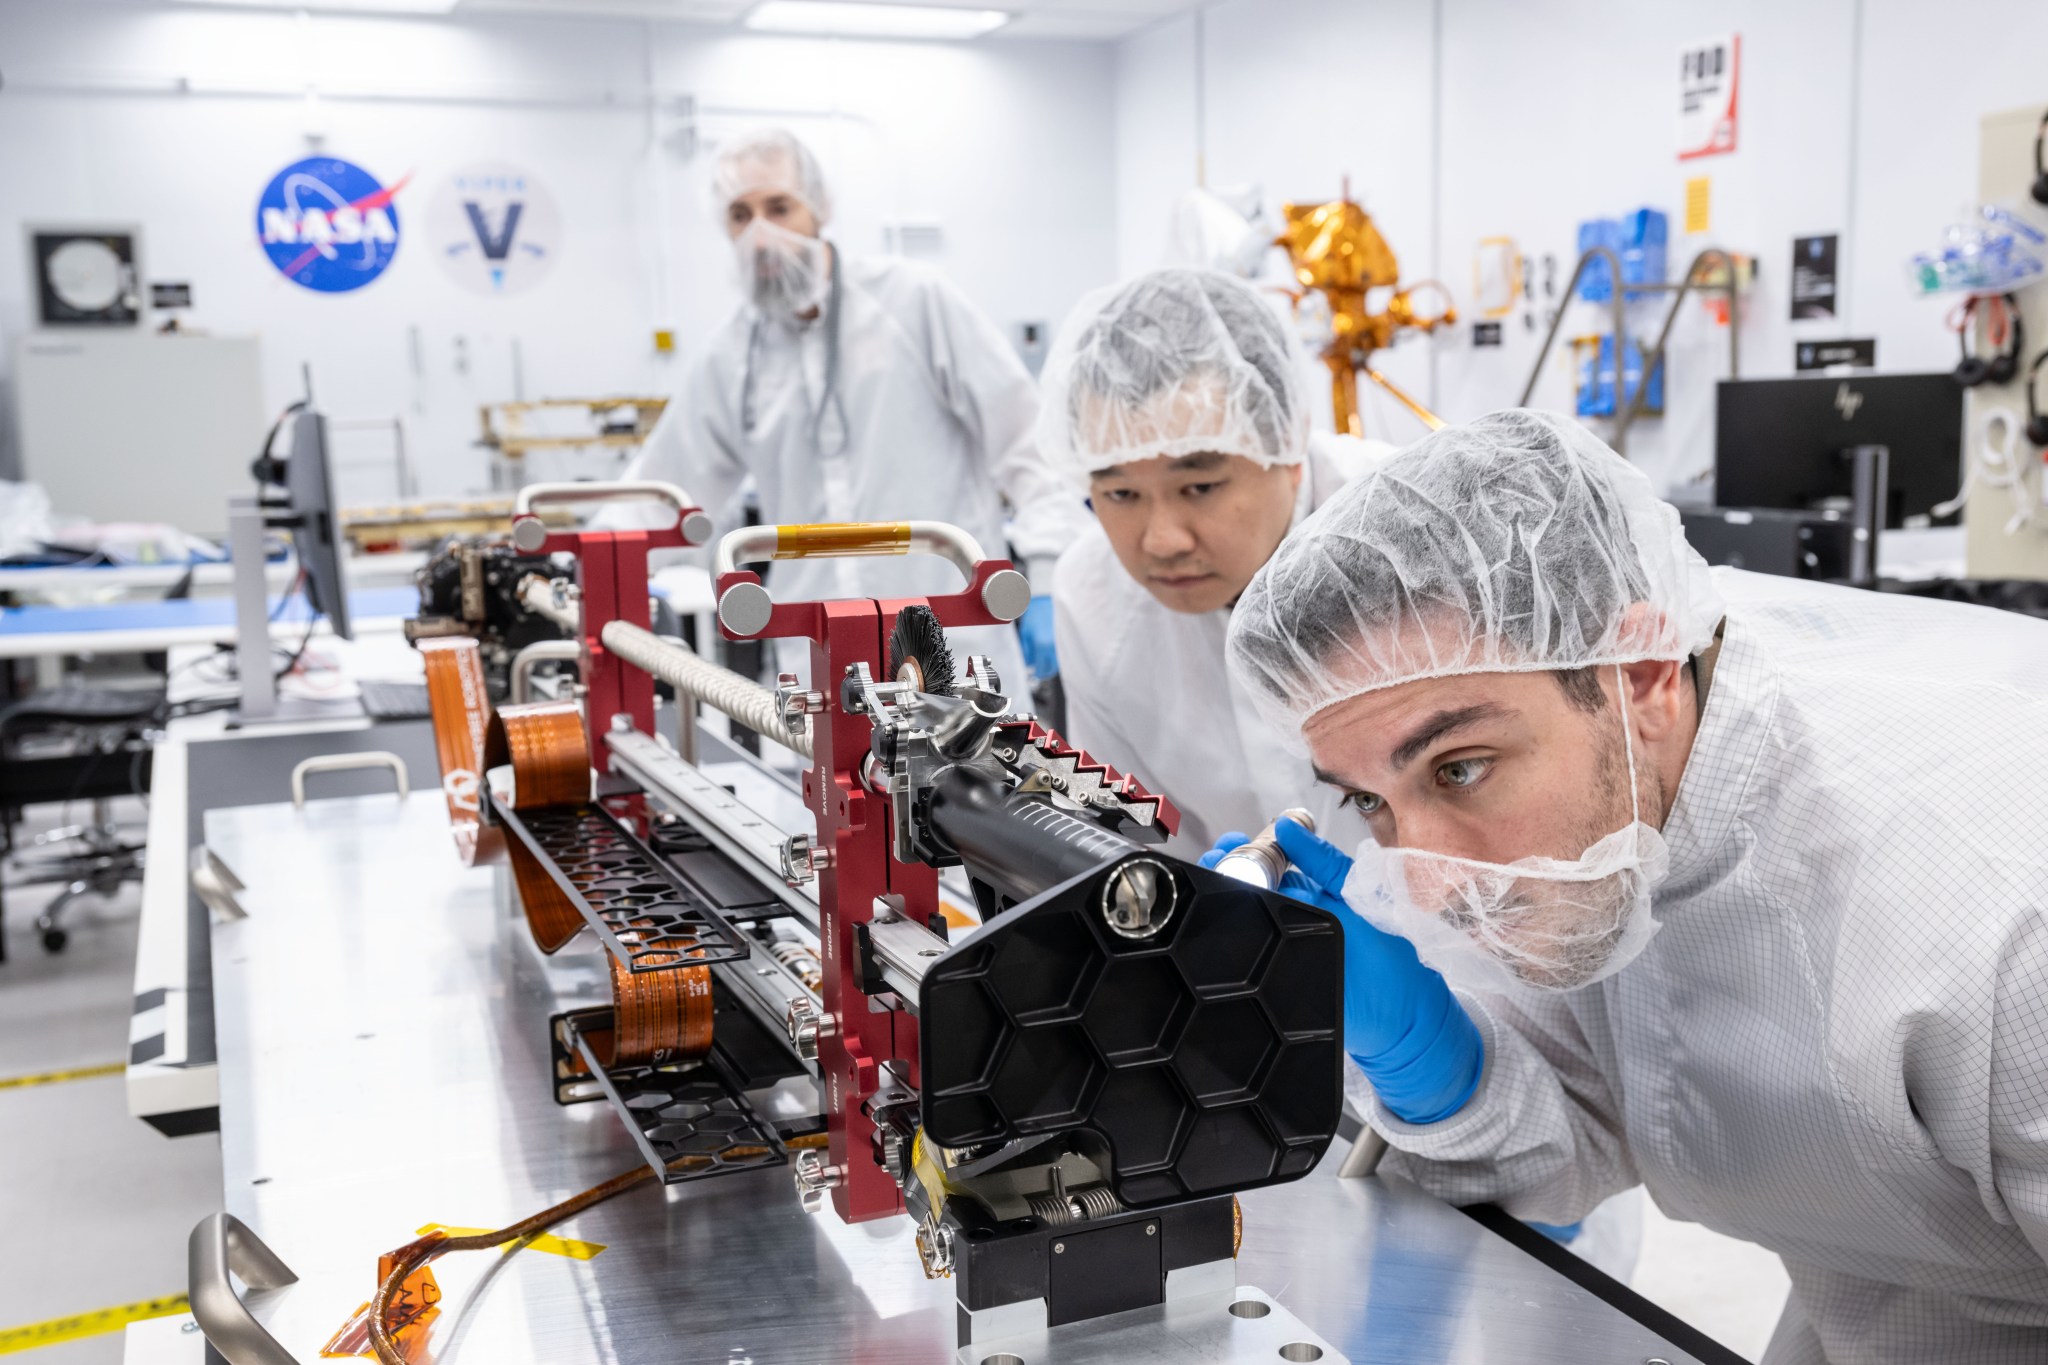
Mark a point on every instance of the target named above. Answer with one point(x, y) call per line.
point(1837, 1044)
point(929, 417)
point(1149, 693)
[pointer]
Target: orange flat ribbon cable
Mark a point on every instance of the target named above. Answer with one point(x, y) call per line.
point(461, 708)
point(659, 1016)
point(550, 758)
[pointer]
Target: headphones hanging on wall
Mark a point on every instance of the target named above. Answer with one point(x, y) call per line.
point(2040, 190)
point(2037, 421)
point(2008, 333)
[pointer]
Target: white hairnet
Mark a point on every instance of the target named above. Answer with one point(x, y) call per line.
point(769, 159)
point(1172, 363)
point(1515, 543)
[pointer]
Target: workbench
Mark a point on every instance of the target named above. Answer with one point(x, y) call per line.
point(382, 1031)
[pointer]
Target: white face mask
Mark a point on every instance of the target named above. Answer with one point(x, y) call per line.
point(781, 271)
point(1545, 924)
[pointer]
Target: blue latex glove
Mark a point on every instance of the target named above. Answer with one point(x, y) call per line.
point(1035, 630)
point(1402, 1025)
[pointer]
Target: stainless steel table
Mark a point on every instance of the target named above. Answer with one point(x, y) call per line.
point(383, 1055)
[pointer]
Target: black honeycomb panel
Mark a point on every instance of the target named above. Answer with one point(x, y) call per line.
point(968, 1046)
point(650, 918)
point(1296, 1077)
point(1044, 968)
point(1224, 1052)
point(1311, 973)
point(1205, 1058)
point(1226, 943)
point(1143, 1113)
point(1228, 1149)
point(1047, 1083)
point(1138, 1010)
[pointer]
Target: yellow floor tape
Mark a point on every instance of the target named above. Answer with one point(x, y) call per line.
point(546, 1241)
point(76, 1073)
point(30, 1336)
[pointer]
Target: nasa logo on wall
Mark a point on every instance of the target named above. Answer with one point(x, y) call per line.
point(495, 228)
point(327, 224)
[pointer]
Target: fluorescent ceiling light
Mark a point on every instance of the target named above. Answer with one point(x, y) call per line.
point(358, 6)
point(873, 21)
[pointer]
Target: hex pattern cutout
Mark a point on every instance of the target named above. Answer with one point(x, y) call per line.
point(1223, 1054)
point(1138, 1010)
point(1226, 943)
point(1206, 1059)
point(1041, 1084)
point(1044, 967)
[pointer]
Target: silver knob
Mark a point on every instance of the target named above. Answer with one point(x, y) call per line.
point(815, 1179)
point(801, 860)
point(805, 1026)
point(793, 703)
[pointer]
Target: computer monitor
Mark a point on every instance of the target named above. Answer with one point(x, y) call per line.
point(1783, 443)
point(316, 533)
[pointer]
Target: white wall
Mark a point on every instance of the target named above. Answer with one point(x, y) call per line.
point(920, 132)
point(1461, 119)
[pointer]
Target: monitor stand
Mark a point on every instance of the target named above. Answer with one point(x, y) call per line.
point(1869, 484)
point(260, 704)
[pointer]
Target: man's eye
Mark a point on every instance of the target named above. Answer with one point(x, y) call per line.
point(1463, 772)
point(1365, 803)
point(1201, 490)
point(1123, 495)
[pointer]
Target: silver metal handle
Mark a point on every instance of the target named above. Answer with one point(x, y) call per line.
point(537, 652)
point(528, 534)
point(334, 763)
point(744, 608)
point(219, 1244)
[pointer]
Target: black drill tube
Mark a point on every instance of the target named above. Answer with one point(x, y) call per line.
point(1019, 845)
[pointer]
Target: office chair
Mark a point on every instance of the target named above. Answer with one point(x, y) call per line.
point(76, 743)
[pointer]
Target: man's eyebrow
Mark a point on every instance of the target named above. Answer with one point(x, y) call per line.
point(1327, 779)
point(1200, 460)
point(1444, 723)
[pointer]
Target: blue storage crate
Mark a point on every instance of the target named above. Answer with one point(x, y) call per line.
point(1596, 380)
point(1643, 235)
point(1596, 284)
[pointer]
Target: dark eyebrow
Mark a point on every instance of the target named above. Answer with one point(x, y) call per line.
point(1444, 723)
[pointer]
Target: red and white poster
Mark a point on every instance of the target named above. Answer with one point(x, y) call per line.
point(1708, 81)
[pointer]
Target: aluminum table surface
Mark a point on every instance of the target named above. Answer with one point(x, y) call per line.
point(382, 1021)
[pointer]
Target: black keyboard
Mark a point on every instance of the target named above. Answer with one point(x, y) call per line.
point(395, 700)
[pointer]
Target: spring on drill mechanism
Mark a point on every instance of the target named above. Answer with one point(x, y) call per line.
point(1056, 1208)
point(799, 958)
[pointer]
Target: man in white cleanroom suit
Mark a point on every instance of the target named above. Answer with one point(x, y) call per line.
point(1178, 402)
point(1735, 886)
point(861, 390)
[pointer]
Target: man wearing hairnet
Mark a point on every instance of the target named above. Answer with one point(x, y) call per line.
point(1177, 401)
point(1735, 886)
point(861, 390)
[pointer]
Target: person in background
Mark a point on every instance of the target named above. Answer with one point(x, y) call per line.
point(1178, 401)
point(1733, 885)
point(861, 389)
